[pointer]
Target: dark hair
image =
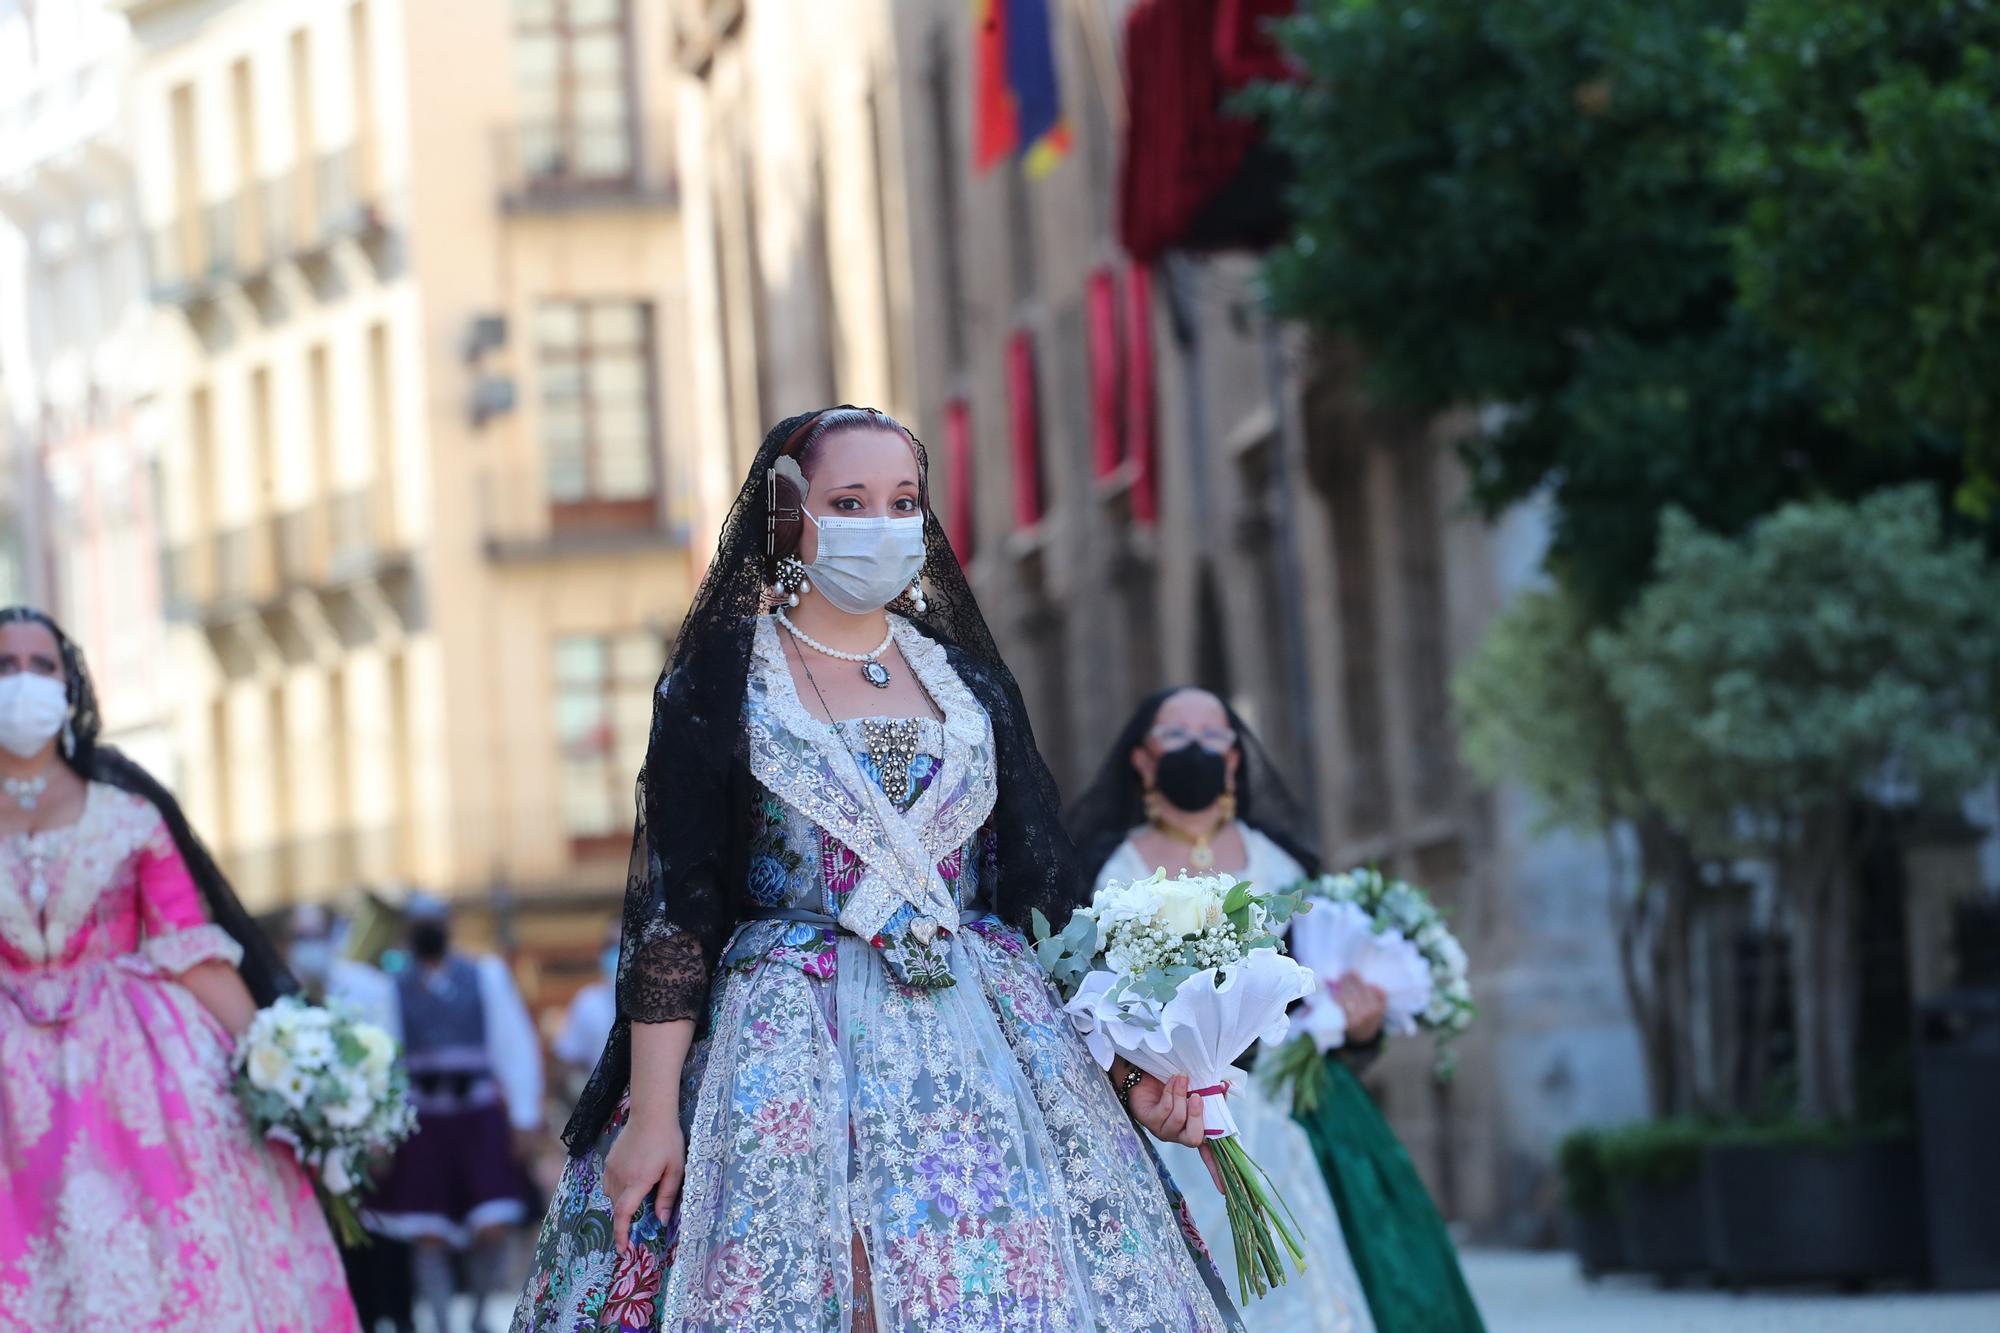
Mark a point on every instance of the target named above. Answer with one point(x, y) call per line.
point(806, 444)
point(1115, 802)
point(263, 971)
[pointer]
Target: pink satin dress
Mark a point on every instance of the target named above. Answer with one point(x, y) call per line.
point(133, 1194)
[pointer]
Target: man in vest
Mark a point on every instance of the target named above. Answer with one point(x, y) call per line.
point(475, 1063)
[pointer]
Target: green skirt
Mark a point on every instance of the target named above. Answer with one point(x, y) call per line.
point(1402, 1253)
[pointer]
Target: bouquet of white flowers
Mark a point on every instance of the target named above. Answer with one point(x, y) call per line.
point(329, 1085)
point(1180, 977)
point(1393, 937)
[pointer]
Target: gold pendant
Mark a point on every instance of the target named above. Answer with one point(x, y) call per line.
point(1203, 856)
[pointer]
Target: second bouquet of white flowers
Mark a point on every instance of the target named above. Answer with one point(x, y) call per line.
point(331, 1086)
point(1181, 976)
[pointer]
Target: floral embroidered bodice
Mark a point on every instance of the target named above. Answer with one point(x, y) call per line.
point(877, 822)
point(109, 885)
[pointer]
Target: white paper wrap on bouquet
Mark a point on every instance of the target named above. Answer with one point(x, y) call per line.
point(1335, 939)
point(1214, 1017)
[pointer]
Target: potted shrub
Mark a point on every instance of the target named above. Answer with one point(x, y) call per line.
point(1654, 1171)
point(1590, 1215)
point(1802, 1202)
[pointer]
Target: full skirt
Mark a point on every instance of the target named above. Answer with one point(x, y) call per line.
point(1404, 1256)
point(133, 1194)
point(952, 1159)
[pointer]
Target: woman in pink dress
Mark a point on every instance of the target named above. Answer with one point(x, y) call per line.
point(133, 1194)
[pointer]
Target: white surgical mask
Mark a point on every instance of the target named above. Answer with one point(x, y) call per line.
point(866, 563)
point(32, 710)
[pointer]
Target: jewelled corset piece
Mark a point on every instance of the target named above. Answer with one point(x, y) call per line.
point(893, 745)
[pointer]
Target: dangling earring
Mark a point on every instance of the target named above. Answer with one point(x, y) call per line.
point(1152, 805)
point(68, 740)
point(787, 585)
point(1225, 808)
point(910, 602)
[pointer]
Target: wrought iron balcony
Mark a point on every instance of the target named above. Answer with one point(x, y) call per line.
point(558, 165)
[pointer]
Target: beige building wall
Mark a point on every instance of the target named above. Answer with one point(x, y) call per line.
point(400, 498)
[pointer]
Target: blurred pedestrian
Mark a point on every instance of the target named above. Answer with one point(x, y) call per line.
point(132, 1191)
point(592, 1011)
point(460, 1183)
point(1186, 786)
point(845, 829)
point(378, 1269)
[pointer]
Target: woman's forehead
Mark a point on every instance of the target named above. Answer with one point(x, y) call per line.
point(1192, 708)
point(23, 638)
point(865, 454)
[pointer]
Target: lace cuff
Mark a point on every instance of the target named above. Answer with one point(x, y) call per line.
point(663, 977)
point(180, 950)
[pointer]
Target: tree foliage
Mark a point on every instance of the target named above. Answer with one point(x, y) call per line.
point(1865, 136)
point(1518, 202)
point(1833, 653)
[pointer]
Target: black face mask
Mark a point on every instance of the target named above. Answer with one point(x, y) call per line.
point(428, 941)
point(1191, 778)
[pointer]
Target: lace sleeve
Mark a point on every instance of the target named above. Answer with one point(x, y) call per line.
point(662, 977)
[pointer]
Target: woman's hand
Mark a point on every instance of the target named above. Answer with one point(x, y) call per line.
point(649, 1152)
point(1364, 1005)
point(1169, 1110)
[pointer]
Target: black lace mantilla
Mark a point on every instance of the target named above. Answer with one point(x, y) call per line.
point(686, 889)
point(1115, 803)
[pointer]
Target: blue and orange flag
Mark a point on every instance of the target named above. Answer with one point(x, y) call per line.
point(1019, 110)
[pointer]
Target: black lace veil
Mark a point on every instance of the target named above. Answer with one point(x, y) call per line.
point(1115, 802)
point(263, 970)
point(688, 862)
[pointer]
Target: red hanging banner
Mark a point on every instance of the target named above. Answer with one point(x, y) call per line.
point(1101, 311)
point(1024, 407)
point(1139, 422)
point(958, 457)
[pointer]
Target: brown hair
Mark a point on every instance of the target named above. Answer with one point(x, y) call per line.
point(806, 444)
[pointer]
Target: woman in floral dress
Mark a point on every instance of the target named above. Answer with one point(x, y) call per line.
point(885, 1121)
point(132, 1193)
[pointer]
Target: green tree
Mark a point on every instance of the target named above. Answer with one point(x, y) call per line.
point(1516, 202)
point(1535, 708)
point(1864, 137)
point(1781, 689)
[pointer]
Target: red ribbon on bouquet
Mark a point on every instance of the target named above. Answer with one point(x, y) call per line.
point(1216, 1091)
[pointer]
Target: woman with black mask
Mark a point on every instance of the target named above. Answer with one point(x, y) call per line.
point(1187, 787)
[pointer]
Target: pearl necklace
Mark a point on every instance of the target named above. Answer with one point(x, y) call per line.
point(27, 792)
point(872, 670)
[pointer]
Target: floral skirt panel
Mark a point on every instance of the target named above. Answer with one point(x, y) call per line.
point(962, 1136)
point(133, 1195)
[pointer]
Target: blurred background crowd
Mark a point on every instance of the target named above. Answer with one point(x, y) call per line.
point(1564, 430)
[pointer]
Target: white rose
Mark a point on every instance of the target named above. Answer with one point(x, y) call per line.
point(1183, 907)
point(268, 1067)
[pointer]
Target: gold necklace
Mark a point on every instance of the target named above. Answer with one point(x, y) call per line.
point(1202, 857)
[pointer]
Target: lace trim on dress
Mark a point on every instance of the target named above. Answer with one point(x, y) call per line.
point(807, 764)
point(113, 825)
point(180, 950)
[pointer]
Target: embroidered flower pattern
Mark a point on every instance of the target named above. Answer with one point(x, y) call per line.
point(960, 1131)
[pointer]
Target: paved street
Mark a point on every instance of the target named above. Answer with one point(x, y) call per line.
point(1523, 1292)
